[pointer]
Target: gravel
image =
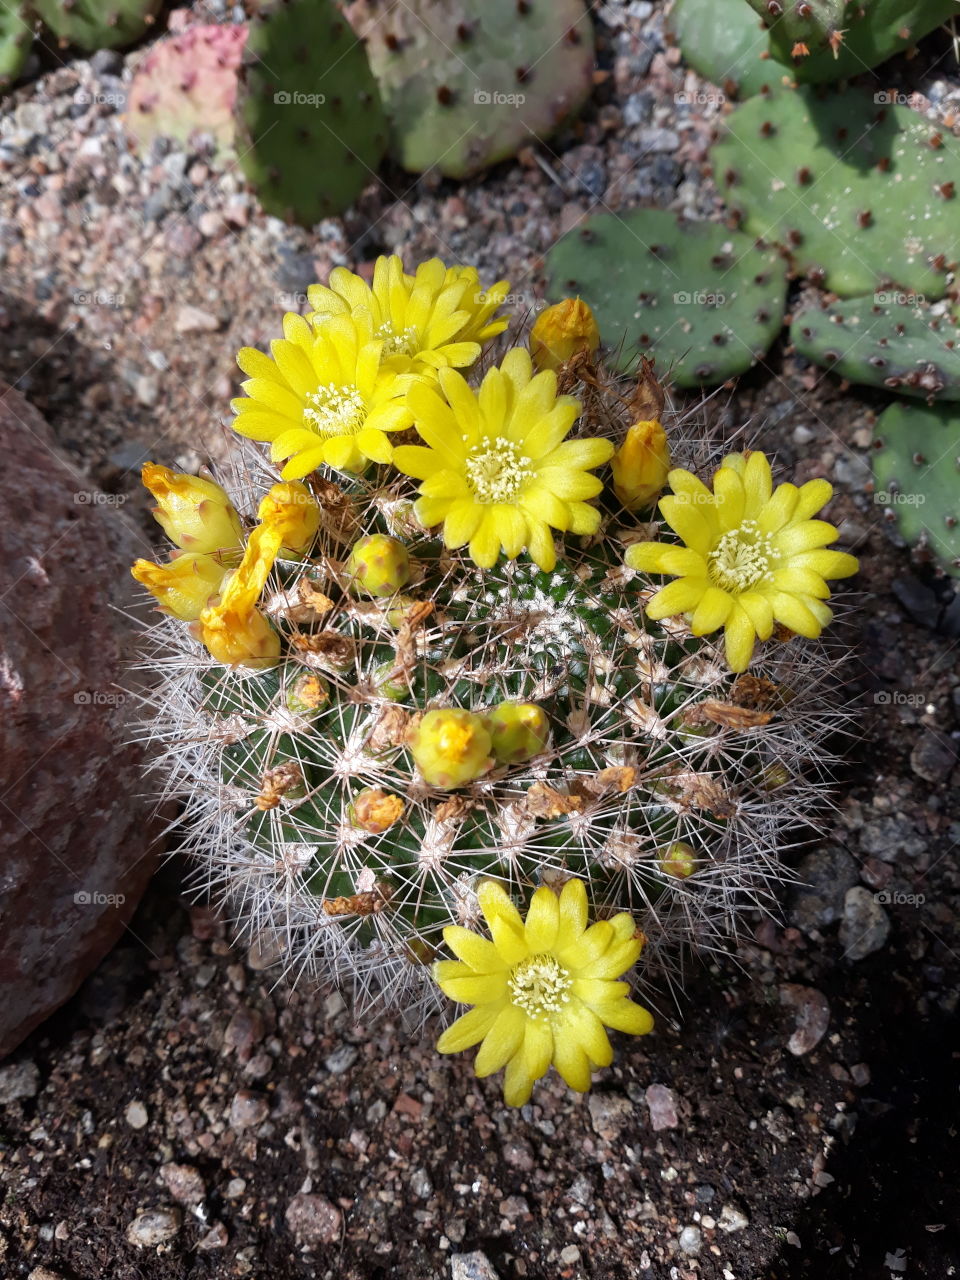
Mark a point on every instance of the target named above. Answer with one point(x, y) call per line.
point(866, 925)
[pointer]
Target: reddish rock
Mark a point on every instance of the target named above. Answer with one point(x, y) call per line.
point(75, 834)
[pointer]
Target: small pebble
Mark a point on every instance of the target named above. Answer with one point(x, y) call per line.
point(690, 1240)
point(18, 1080)
point(313, 1220)
point(183, 1182)
point(865, 927)
point(341, 1059)
point(248, 1109)
point(136, 1114)
point(663, 1107)
point(153, 1227)
point(608, 1112)
point(732, 1219)
point(471, 1266)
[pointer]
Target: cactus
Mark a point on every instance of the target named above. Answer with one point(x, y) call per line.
point(905, 348)
point(15, 38)
point(723, 40)
point(188, 83)
point(859, 192)
point(97, 24)
point(704, 299)
point(312, 127)
point(852, 35)
point(916, 469)
point(537, 727)
point(469, 83)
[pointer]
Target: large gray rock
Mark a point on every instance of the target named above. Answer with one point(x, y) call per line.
point(77, 844)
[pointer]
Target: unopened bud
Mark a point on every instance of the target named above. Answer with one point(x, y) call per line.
point(183, 587)
point(378, 565)
point(640, 465)
point(194, 513)
point(678, 860)
point(451, 747)
point(565, 330)
point(519, 731)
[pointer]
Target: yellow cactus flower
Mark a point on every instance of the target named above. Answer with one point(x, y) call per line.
point(240, 637)
point(325, 396)
point(194, 513)
point(565, 330)
point(751, 555)
point(292, 511)
point(183, 587)
point(451, 747)
point(438, 317)
point(543, 990)
point(641, 465)
point(497, 469)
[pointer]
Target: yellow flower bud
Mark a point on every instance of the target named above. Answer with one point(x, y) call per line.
point(184, 586)
point(291, 510)
point(194, 513)
point(519, 731)
point(239, 638)
point(451, 747)
point(677, 860)
point(565, 330)
point(640, 465)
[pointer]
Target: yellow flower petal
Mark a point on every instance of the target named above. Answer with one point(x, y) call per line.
point(624, 1015)
point(480, 954)
point(501, 1042)
point(543, 920)
point(537, 1048)
point(495, 904)
point(739, 638)
point(572, 1063)
point(804, 537)
point(517, 1083)
point(572, 913)
point(479, 988)
point(712, 611)
point(678, 597)
point(828, 564)
point(793, 613)
point(469, 1029)
point(813, 497)
point(583, 1026)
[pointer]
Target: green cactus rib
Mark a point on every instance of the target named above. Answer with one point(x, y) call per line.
point(901, 346)
point(312, 126)
point(725, 41)
point(850, 35)
point(188, 83)
point(916, 469)
point(704, 299)
point(16, 35)
point(860, 193)
point(469, 83)
point(97, 24)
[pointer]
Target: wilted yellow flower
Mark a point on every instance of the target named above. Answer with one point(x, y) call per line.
point(240, 637)
point(751, 555)
point(326, 396)
point(194, 513)
point(565, 330)
point(435, 318)
point(544, 990)
point(184, 586)
point(451, 747)
point(641, 465)
point(498, 470)
point(290, 509)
